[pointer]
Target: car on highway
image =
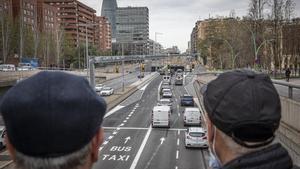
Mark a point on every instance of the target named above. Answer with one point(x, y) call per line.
point(106, 91)
point(167, 79)
point(166, 102)
point(167, 93)
point(192, 116)
point(164, 86)
point(141, 75)
point(196, 137)
point(187, 100)
point(99, 87)
point(161, 116)
point(2, 134)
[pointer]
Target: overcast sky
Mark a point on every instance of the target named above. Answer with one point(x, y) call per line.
point(175, 19)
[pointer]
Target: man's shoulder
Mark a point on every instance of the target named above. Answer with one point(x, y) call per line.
point(295, 167)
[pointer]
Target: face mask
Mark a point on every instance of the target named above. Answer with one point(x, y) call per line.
point(214, 161)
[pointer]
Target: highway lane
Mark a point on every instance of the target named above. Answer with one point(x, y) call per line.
point(131, 143)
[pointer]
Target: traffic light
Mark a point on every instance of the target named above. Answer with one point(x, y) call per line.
point(143, 67)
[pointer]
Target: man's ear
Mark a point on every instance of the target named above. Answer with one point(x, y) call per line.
point(10, 148)
point(96, 143)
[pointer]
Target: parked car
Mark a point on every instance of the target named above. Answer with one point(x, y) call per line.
point(196, 137)
point(7, 68)
point(187, 100)
point(106, 91)
point(24, 68)
point(2, 134)
point(99, 87)
point(192, 116)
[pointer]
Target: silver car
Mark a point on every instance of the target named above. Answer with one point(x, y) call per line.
point(196, 137)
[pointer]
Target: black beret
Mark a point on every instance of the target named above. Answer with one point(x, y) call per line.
point(52, 114)
point(243, 104)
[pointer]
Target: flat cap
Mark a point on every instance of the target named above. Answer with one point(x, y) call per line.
point(243, 104)
point(52, 114)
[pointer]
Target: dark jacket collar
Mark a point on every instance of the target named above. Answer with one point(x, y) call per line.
point(271, 157)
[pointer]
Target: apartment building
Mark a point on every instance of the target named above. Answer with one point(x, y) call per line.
point(103, 34)
point(76, 19)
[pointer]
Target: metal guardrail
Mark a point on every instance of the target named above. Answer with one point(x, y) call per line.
point(290, 86)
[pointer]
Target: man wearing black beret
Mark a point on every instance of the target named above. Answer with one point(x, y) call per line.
point(53, 121)
point(243, 111)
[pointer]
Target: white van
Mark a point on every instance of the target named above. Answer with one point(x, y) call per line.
point(192, 116)
point(167, 79)
point(161, 116)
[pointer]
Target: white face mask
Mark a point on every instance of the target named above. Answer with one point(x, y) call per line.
point(214, 161)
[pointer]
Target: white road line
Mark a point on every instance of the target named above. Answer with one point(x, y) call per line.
point(179, 114)
point(141, 128)
point(178, 132)
point(178, 142)
point(158, 93)
point(121, 124)
point(129, 115)
point(125, 121)
point(176, 167)
point(127, 118)
point(144, 88)
point(177, 154)
point(113, 110)
point(110, 137)
point(114, 133)
point(100, 148)
point(105, 142)
point(139, 153)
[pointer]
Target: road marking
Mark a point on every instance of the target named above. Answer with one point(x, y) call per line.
point(100, 148)
point(129, 115)
point(178, 132)
point(117, 108)
point(141, 128)
point(127, 118)
point(125, 121)
point(144, 88)
point(114, 133)
point(158, 93)
point(121, 124)
point(105, 142)
point(139, 153)
point(110, 137)
point(177, 154)
point(176, 167)
point(179, 114)
point(178, 142)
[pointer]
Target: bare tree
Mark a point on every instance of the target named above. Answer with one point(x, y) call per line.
point(289, 8)
point(256, 9)
point(6, 31)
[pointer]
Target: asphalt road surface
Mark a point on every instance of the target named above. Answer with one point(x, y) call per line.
point(131, 142)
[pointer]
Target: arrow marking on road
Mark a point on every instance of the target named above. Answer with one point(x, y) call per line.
point(162, 140)
point(127, 139)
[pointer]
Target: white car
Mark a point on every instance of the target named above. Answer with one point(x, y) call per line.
point(196, 137)
point(7, 68)
point(24, 68)
point(165, 102)
point(99, 87)
point(167, 94)
point(106, 91)
point(2, 134)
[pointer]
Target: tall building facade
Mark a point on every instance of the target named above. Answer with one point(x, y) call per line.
point(73, 17)
point(132, 25)
point(109, 8)
point(103, 34)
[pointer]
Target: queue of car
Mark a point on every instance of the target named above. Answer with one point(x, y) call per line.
point(195, 135)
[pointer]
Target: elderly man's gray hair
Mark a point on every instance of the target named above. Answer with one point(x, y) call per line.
point(70, 161)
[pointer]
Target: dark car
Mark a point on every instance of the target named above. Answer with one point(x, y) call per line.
point(187, 100)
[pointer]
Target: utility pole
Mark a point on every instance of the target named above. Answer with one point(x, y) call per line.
point(123, 74)
point(21, 30)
